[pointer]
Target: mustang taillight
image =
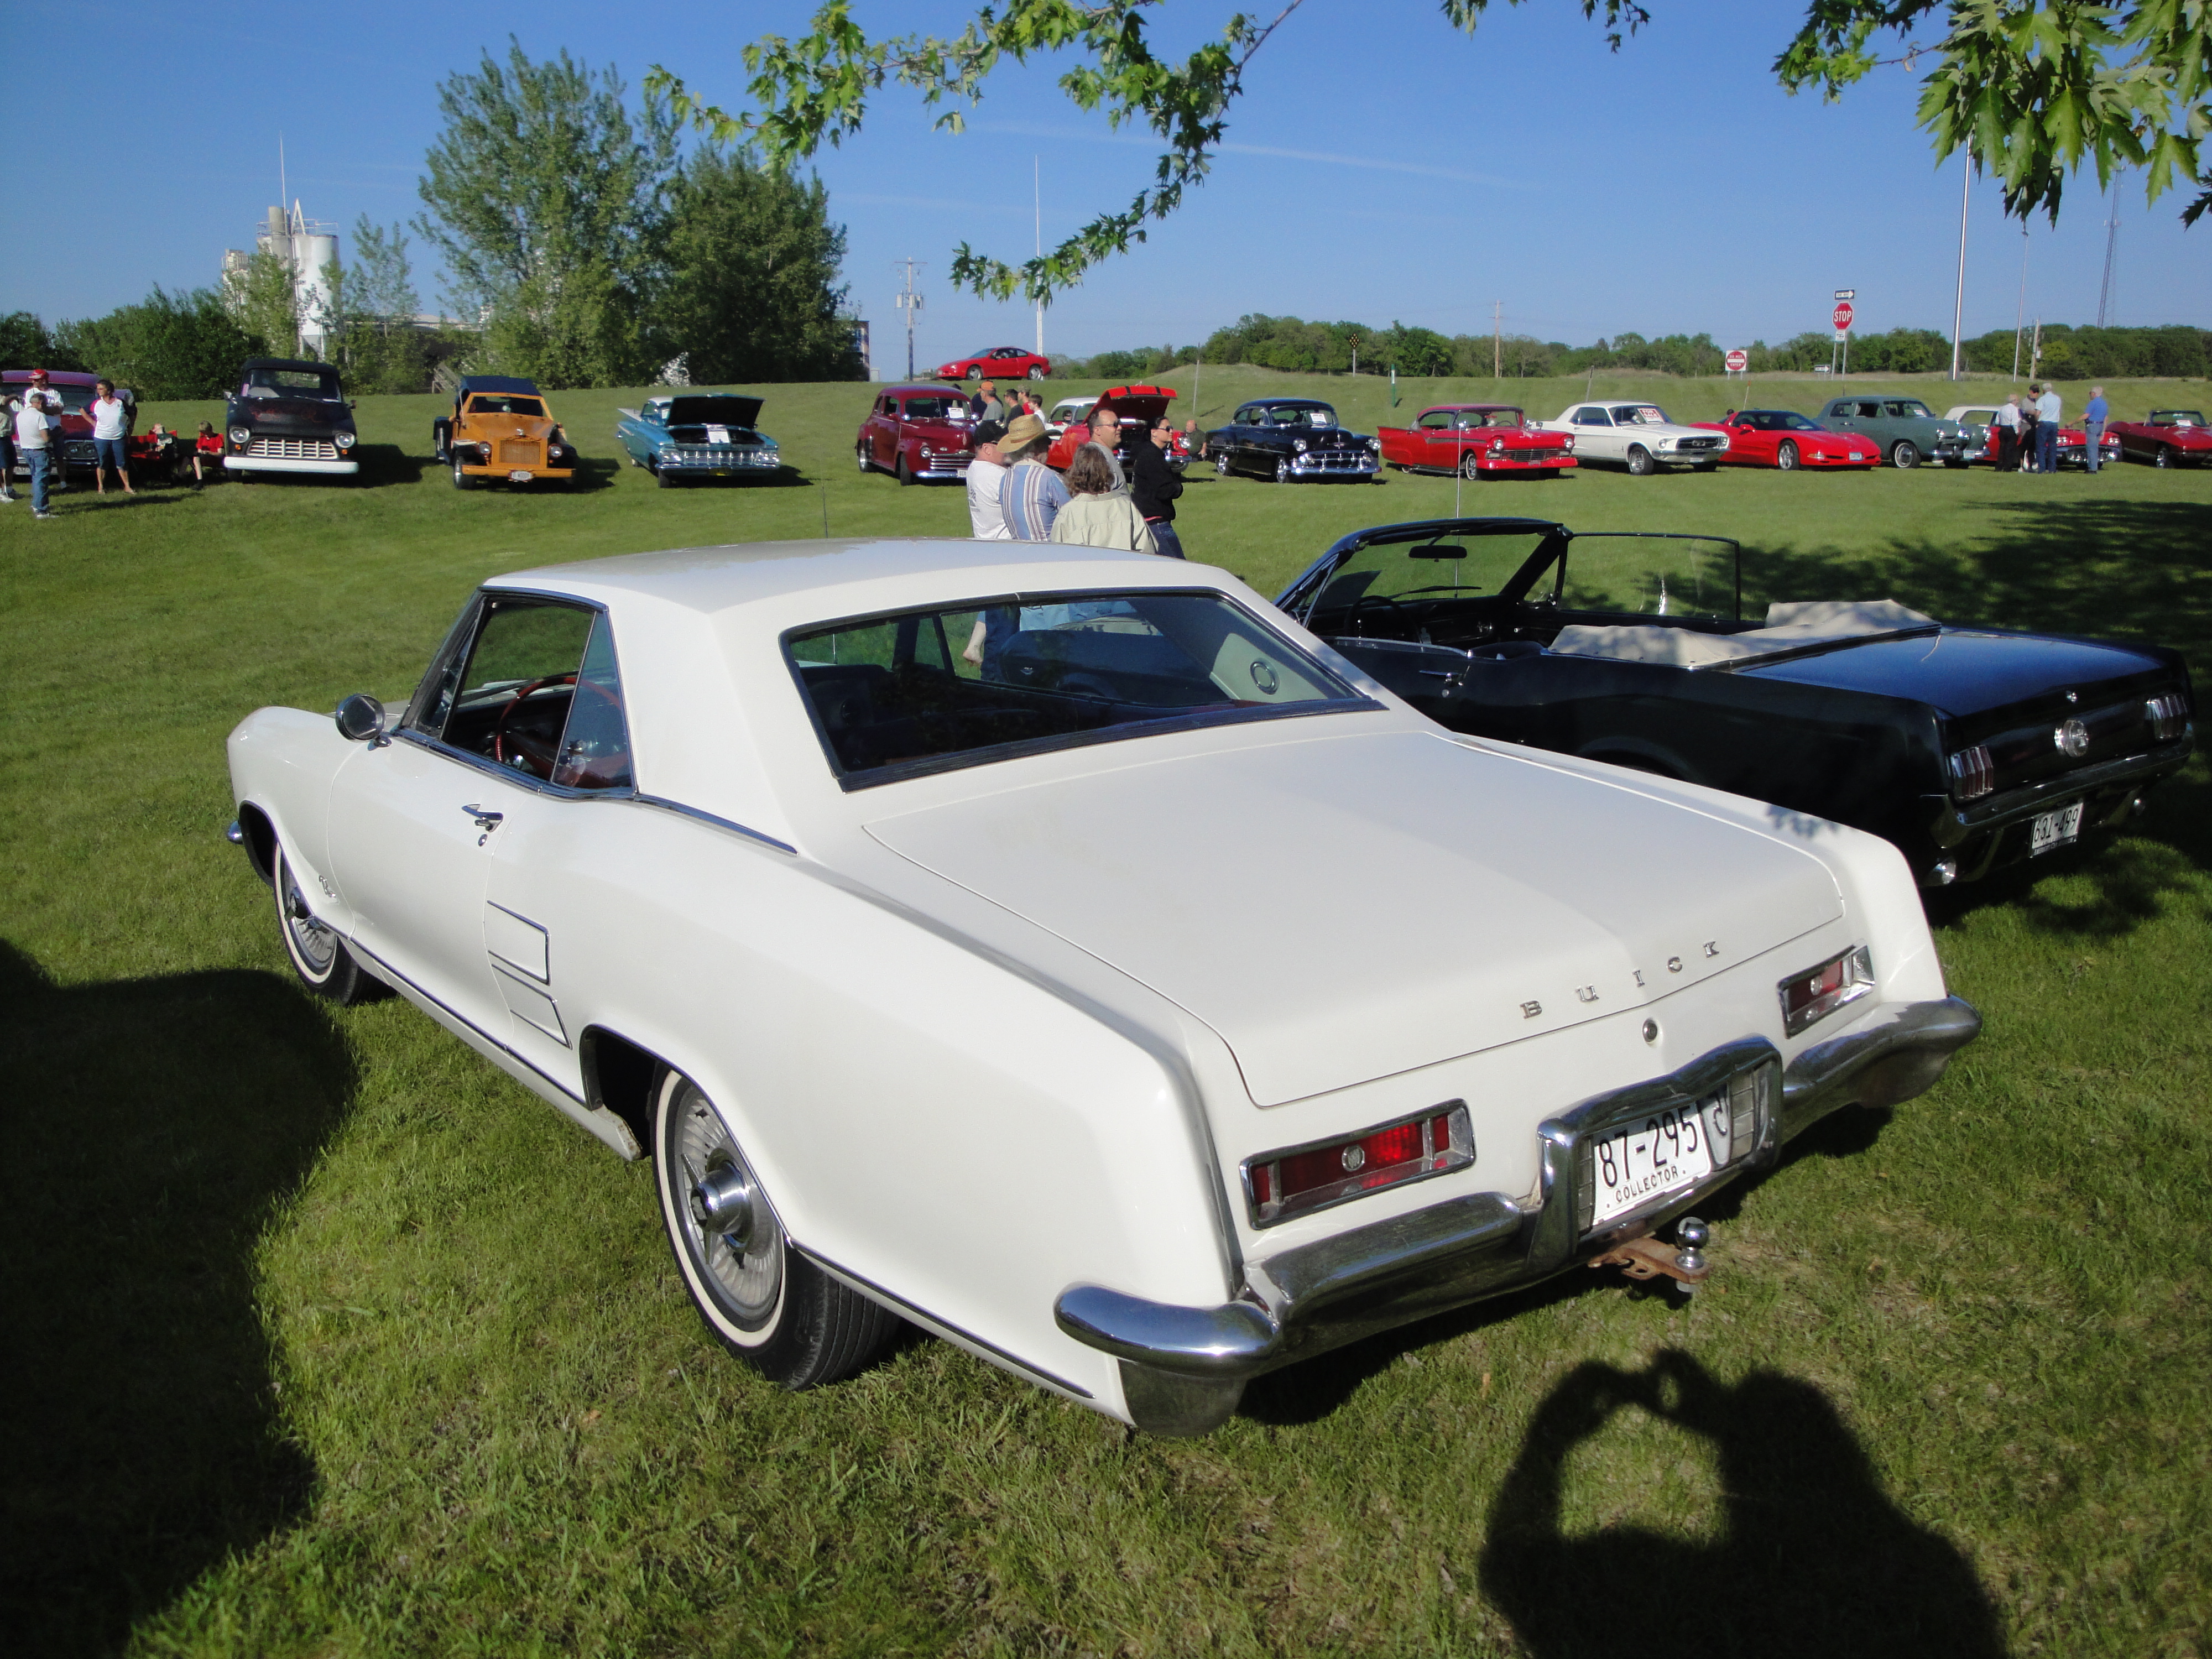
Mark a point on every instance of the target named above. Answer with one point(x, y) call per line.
point(1298, 1179)
point(1817, 993)
point(1973, 773)
point(2168, 716)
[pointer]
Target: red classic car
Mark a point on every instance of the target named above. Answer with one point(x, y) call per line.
point(75, 455)
point(2171, 437)
point(999, 362)
point(1482, 440)
point(1784, 438)
point(1139, 406)
point(917, 432)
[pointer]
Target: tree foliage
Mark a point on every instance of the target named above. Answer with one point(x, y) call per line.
point(168, 346)
point(2033, 87)
point(753, 264)
point(263, 298)
point(27, 343)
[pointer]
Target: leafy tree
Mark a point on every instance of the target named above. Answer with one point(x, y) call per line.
point(2033, 85)
point(27, 343)
point(546, 203)
point(168, 346)
point(1414, 350)
point(753, 261)
point(264, 300)
point(381, 286)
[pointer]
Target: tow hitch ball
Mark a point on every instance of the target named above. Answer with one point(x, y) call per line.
point(1647, 1258)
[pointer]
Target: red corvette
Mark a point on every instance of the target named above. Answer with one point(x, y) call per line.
point(1785, 439)
point(1480, 439)
point(2172, 437)
point(999, 362)
point(1139, 406)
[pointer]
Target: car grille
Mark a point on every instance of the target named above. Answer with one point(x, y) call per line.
point(1698, 443)
point(946, 463)
point(293, 449)
point(717, 455)
point(1332, 460)
point(520, 452)
point(1552, 455)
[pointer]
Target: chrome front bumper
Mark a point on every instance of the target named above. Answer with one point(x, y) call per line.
point(286, 464)
point(1184, 1368)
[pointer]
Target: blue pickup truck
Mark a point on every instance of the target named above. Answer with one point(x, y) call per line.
point(703, 434)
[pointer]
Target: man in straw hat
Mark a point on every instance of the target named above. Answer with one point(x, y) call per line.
point(1031, 494)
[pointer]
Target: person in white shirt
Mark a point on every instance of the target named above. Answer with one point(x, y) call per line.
point(31, 439)
point(9, 410)
point(2046, 431)
point(2004, 435)
point(111, 433)
point(985, 473)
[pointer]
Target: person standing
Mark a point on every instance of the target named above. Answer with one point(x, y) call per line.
point(1154, 486)
point(110, 432)
point(986, 474)
point(2004, 434)
point(1106, 437)
point(32, 438)
point(51, 401)
point(1031, 494)
point(2094, 418)
point(8, 410)
point(2046, 429)
point(2028, 419)
point(1099, 513)
point(985, 404)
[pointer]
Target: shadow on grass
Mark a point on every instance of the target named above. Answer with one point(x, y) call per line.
point(155, 1128)
point(1810, 1559)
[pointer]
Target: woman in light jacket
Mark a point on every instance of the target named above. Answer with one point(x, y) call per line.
point(1097, 515)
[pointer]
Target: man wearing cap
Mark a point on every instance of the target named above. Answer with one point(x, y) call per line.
point(41, 393)
point(1031, 494)
point(32, 437)
point(985, 473)
point(984, 405)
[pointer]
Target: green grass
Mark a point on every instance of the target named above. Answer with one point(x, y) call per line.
point(324, 1338)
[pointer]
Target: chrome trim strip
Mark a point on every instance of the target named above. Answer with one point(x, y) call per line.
point(2024, 800)
point(506, 1048)
point(734, 828)
point(908, 1310)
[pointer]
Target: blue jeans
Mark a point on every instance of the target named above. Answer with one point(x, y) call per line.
point(2095, 431)
point(2047, 447)
point(38, 459)
point(110, 452)
point(1165, 537)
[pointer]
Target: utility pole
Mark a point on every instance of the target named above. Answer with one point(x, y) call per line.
point(2035, 351)
point(2020, 317)
point(909, 301)
point(1037, 189)
point(2107, 301)
point(1496, 339)
point(1959, 301)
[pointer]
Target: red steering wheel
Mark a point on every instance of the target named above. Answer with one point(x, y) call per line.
point(540, 757)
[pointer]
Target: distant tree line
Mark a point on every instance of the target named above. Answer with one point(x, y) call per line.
point(1289, 342)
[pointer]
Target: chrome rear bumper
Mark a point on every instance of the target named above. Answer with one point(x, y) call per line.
point(1184, 1368)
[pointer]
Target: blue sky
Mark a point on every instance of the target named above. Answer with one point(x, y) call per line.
point(1380, 168)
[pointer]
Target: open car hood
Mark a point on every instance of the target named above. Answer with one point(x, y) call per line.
point(1341, 908)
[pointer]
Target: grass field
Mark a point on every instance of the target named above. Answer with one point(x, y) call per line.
point(324, 1338)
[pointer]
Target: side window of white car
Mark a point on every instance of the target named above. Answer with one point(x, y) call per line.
point(535, 687)
point(1592, 417)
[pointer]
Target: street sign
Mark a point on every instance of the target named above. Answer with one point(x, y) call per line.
point(1847, 294)
point(1842, 315)
point(1738, 361)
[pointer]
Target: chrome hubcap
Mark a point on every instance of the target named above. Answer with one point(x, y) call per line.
point(742, 1254)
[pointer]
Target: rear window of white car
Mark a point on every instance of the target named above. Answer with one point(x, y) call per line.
point(921, 691)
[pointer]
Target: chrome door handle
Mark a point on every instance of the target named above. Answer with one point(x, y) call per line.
point(486, 820)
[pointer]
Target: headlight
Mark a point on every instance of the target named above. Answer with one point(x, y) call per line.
point(1570, 443)
point(926, 451)
point(240, 434)
point(1298, 443)
point(1498, 446)
point(1814, 995)
point(344, 440)
point(1375, 444)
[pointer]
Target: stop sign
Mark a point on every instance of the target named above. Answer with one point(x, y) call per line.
point(1738, 362)
point(1842, 315)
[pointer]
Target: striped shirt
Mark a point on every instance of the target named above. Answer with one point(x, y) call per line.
point(1031, 498)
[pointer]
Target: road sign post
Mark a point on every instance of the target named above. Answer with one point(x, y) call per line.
point(1738, 361)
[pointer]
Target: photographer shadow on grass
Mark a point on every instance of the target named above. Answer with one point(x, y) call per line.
point(1806, 1556)
point(156, 1128)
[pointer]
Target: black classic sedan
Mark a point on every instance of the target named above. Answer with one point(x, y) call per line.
point(1970, 748)
point(1291, 438)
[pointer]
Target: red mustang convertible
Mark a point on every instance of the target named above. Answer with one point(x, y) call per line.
point(1479, 440)
point(2171, 437)
point(1784, 438)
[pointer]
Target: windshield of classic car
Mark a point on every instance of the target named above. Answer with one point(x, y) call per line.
point(936, 408)
point(893, 696)
point(1776, 419)
point(1294, 414)
point(1367, 592)
point(1650, 576)
point(2177, 417)
point(291, 383)
point(1639, 415)
point(502, 403)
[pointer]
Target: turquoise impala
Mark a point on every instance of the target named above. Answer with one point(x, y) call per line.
point(705, 435)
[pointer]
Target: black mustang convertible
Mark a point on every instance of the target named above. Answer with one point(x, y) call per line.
point(1968, 747)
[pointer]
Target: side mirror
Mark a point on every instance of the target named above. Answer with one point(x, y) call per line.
point(360, 718)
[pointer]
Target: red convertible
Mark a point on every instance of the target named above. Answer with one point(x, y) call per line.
point(1482, 440)
point(1139, 406)
point(917, 432)
point(1784, 438)
point(999, 362)
point(2172, 437)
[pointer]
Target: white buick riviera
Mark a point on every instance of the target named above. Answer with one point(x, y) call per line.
point(1064, 951)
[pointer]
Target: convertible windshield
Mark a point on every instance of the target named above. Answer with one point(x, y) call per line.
point(2177, 417)
point(894, 696)
point(1369, 592)
point(1651, 575)
point(501, 402)
point(1639, 415)
point(1299, 415)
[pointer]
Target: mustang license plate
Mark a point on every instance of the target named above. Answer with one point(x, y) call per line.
point(1661, 1152)
point(2055, 829)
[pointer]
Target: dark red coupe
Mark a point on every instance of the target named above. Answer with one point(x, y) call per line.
point(917, 432)
point(2171, 437)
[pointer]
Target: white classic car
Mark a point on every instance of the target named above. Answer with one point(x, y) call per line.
point(1638, 435)
point(1062, 951)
